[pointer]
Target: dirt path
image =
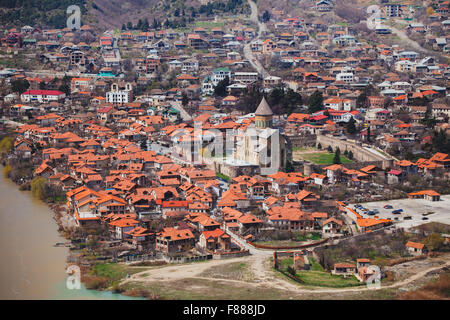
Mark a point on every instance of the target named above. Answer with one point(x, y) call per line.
point(264, 276)
point(404, 37)
point(181, 271)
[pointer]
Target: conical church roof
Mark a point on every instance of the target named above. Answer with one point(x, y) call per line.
point(263, 109)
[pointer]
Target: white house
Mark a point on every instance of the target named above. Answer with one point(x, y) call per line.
point(42, 96)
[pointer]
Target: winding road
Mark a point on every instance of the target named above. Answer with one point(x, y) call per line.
point(262, 272)
point(247, 51)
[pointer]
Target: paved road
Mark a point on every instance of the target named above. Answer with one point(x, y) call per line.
point(254, 17)
point(184, 115)
point(247, 51)
point(404, 37)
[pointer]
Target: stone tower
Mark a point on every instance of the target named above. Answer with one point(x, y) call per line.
point(263, 115)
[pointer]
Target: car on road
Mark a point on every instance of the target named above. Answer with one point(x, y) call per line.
point(371, 213)
point(424, 218)
point(388, 206)
point(398, 211)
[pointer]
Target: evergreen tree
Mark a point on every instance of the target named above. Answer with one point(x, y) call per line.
point(350, 155)
point(440, 142)
point(361, 101)
point(289, 167)
point(143, 145)
point(266, 16)
point(139, 25)
point(64, 88)
point(428, 120)
point(184, 99)
point(221, 88)
point(337, 156)
point(20, 85)
point(319, 146)
point(145, 25)
point(124, 27)
point(351, 128)
point(129, 25)
point(155, 24)
point(315, 102)
point(330, 149)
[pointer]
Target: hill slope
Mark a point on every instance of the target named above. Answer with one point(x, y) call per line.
point(105, 14)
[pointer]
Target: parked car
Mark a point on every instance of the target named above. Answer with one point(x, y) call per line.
point(398, 211)
point(424, 218)
point(371, 213)
point(388, 206)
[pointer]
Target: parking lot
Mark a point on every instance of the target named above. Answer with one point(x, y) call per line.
point(413, 208)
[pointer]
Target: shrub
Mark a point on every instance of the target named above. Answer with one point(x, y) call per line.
point(7, 170)
point(291, 270)
point(95, 282)
point(37, 187)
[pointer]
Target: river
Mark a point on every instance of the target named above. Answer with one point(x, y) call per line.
point(31, 267)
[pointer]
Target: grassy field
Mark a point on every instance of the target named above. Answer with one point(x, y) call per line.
point(234, 271)
point(317, 277)
point(324, 279)
point(296, 240)
point(208, 24)
point(201, 289)
point(323, 158)
point(112, 273)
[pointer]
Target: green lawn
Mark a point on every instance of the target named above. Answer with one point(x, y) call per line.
point(325, 279)
point(297, 239)
point(315, 266)
point(223, 176)
point(208, 24)
point(318, 277)
point(299, 149)
point(308, 236)
point(323, 158)
point(114, 272)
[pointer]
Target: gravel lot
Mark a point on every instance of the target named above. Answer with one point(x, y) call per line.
point(413, 208)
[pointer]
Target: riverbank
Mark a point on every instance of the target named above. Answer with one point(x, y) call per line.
point(32, 266)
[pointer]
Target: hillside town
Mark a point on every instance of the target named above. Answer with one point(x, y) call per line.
point(279, 137)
